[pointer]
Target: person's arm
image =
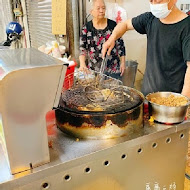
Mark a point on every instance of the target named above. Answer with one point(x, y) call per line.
point(83, 66)
point(118, 31)
point(83, 49)
point(186, 86)
point(122, 65)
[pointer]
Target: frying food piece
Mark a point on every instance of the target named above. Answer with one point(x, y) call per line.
point(107, 93)
point(171, 100)
point(91, 107)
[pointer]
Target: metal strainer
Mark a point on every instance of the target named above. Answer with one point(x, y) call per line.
point(94, 91)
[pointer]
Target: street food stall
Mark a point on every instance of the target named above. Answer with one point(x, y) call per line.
point(116, 147)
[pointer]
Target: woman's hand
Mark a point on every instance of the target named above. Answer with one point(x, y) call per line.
point(83, 68)
point(122, 68)
point(122, 65)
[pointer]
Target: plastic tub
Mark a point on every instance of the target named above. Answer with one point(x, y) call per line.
point(69, 76)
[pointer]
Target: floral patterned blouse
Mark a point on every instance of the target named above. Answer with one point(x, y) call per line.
point(91, 41)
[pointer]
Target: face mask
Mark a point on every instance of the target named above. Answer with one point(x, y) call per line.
point(160, 10)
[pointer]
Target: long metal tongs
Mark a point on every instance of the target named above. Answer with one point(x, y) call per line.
point(104, 61)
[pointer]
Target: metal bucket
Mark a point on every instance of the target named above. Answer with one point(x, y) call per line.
point(130, 73)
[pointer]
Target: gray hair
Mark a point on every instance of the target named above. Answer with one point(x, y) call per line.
point(92, 2)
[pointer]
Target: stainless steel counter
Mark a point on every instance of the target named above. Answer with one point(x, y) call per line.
point(68, 153)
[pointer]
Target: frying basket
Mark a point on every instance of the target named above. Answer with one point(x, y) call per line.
point(94, 90)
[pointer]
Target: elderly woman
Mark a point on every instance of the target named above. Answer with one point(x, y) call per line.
point(93, 36)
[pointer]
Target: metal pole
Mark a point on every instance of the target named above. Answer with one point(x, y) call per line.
point(25, 23)
point(75, 13)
